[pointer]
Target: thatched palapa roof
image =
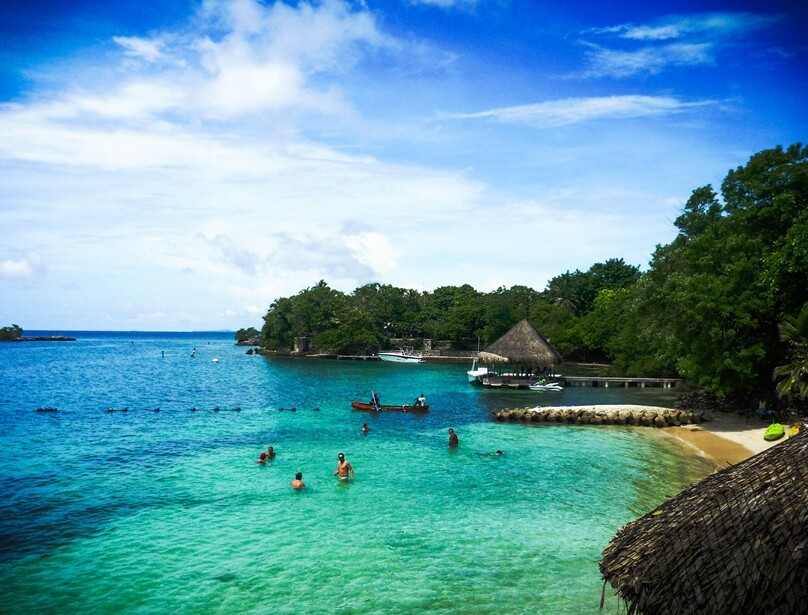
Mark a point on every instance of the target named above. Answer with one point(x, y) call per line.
point(522, 345)
point(736, 542)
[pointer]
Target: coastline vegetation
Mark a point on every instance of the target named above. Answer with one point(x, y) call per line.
point(710, 307)
point(9, 334)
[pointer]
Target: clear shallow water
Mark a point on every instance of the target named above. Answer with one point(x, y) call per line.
point(156, 512)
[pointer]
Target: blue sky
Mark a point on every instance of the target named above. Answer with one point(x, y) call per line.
point(180, 165)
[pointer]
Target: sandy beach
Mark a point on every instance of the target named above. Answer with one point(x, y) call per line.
point(725, 437)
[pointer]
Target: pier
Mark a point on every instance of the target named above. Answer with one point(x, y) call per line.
point(619, 381)
point(517, 381)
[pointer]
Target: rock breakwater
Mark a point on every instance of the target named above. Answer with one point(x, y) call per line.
point(645, 416)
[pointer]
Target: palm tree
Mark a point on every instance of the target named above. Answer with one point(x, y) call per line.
point(793, 376)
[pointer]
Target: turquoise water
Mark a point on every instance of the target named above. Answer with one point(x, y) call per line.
point(167, 512)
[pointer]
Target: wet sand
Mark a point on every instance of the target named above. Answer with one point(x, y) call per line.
point(725, 438)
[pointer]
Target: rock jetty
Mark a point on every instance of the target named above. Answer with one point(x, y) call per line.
point(646, 416)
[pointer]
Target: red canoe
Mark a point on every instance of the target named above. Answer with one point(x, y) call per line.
point(358, 405)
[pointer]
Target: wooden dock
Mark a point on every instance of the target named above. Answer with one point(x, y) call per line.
point(611, 381)
point(524, 382)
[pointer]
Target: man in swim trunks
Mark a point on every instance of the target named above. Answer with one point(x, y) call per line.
point(344, 468)
point(298, 482)
point(453, 440)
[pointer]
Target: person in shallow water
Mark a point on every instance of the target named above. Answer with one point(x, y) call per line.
point(270, 453)
point(298, 482)
point(365, 429)
point(453, 440)
point(344, 468)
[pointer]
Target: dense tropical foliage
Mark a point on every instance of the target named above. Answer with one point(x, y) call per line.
point(248, 335)
point(710, 307)
point(14, 332)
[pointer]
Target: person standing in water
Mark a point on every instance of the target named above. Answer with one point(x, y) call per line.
point(344, 468)
point(453, 440)
point(298, 482)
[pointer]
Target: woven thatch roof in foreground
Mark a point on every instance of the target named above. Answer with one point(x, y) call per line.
point(736, 542)
point(522, 345)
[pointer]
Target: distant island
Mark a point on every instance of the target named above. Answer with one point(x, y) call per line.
point(14, 333)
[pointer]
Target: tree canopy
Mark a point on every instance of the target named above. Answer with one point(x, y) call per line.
point(709, 307)
point(14, 332)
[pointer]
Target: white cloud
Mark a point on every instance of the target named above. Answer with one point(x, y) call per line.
point(648, 60)
point(704, 25)
point(698, 39)
point(149, 50)
point(577, 110)
point(447, 4)
point(24, 267)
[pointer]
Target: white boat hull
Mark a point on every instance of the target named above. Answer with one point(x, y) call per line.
point(399, 357)
point(550, 386)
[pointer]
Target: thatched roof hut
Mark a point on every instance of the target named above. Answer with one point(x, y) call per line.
point(522, 345)
point(736, 542)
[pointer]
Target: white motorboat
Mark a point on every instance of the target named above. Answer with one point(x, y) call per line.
point(402, 355)
point(476, 373)
point(544, 385)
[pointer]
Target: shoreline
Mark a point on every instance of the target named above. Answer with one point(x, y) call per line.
point(725, 438)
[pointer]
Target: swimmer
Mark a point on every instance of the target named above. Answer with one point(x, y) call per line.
point(344, 468)
point(453, 440)
point(270, 453)
point(298, 482)
point(365, 429)
point(262, 458)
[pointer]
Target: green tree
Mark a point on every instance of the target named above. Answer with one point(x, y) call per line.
point(7, 334)
point(792, 377)
point(245, 335)
point(356, 333)
point(717, 292)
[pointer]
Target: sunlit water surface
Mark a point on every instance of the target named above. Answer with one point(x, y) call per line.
point(167, 512)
